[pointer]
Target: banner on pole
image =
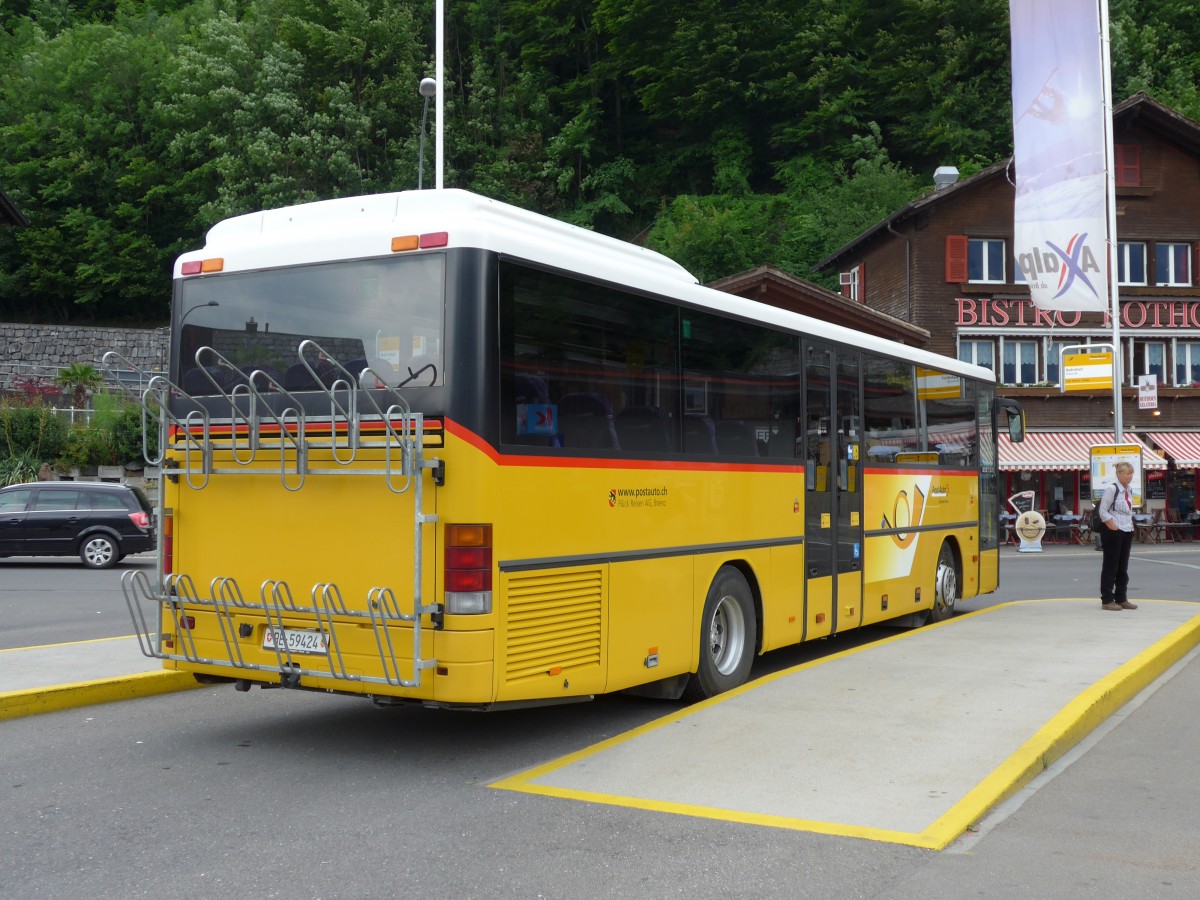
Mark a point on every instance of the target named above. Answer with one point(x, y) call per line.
point(1060, 219)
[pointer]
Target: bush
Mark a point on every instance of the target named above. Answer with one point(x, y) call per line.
point(127, 434)
point(19, 469)
point(30, 429)
point(87, 446)
point(112, 438)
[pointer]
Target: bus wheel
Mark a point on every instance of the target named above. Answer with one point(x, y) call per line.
point(945, 594)
point(727, 634)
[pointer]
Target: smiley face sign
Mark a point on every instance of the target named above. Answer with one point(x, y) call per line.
point(1030, 526)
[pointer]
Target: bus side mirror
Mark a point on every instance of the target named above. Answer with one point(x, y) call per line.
point(1016, 418)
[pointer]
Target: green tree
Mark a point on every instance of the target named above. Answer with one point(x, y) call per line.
point(820, 208)
point(1156, 49)
point(81, 379)
point(78, 154)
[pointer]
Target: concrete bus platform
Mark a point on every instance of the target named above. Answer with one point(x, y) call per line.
point(909, 740)
point(62, 676)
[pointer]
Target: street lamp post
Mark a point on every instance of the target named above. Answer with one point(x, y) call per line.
point(427, 90)
point(183, 318)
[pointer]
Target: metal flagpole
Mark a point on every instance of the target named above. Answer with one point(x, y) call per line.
point(1110, 182)
point(440, 34)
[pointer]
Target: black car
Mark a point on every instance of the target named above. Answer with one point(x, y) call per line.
point(100, 522)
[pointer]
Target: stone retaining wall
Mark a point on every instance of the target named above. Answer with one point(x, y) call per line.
point(42, 350)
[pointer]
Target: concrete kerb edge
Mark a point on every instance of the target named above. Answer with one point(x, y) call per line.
point(15, 704)
point(1077, 719)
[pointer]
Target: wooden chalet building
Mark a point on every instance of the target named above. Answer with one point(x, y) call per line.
point(944, 263)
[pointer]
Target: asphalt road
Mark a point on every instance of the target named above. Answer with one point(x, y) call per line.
point(53, 600)
point(210, 793)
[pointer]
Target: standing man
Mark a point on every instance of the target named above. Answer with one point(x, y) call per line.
point(1116, 513)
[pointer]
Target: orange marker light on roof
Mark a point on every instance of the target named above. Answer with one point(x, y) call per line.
point(216, 264)
point(407, 242)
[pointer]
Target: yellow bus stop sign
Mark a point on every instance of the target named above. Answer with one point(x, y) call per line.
point(1087, 371)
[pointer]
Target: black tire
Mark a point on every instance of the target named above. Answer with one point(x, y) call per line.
point(728, 635)
point(946, 590)
point(99, 551)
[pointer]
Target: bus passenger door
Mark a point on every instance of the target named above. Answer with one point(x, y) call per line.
point(818, 491)
point(848, 496)
point(833, 527)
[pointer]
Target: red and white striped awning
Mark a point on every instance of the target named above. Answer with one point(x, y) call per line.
point(1064, 450)
point(1181, 446)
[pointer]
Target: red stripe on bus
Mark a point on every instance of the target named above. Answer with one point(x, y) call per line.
point(579, 462)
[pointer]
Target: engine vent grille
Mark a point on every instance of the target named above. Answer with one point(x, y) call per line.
point(553, 621)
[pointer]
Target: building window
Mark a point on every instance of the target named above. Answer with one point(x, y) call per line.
point(1054, 351)
point(981, 353)
point(1173, 264)
point(1020, 362)
point(985, 260)
point(1187, 362)
point(852, 284)
point(1150, 358)
point(1131, 263)
point(1128, 165)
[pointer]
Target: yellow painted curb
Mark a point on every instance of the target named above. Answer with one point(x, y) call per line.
point(15, 704)
point(1074, 722)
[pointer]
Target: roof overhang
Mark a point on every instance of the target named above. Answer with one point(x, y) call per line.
point(777, 288)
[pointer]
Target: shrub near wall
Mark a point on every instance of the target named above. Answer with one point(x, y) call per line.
point(30, 435)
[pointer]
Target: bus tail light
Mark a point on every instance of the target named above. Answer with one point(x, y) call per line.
point(167, 536)
point(468, 576)
point(202, 266)
point(425, 241)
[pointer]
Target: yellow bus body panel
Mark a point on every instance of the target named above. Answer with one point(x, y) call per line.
point(600, 568)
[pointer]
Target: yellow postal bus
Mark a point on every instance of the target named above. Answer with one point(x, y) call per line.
point(428, 447)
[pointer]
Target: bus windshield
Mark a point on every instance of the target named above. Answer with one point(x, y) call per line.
point(383, 313)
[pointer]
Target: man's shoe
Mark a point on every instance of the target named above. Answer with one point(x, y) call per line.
point(1125, 604)
point(1112, 606)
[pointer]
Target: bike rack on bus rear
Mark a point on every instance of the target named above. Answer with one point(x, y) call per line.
point(259, 431)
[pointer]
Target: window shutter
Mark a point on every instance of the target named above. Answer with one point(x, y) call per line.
point(1128, 165)
point(956, 258)
point(862, 282)
point(1195, 273)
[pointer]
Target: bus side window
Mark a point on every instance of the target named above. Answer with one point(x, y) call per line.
point(647, 429)
point(699, 435)
point(536, 418)
point(585, 420)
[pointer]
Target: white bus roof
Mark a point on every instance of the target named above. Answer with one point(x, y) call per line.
point(363, 227)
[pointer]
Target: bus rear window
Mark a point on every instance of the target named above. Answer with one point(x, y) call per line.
point(386, 314)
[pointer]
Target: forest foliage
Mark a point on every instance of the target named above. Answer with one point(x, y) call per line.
point(724, 133)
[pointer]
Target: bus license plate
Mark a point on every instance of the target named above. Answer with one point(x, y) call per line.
point(295, 641)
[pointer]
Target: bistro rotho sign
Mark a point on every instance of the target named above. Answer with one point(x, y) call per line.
point(989, 312)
